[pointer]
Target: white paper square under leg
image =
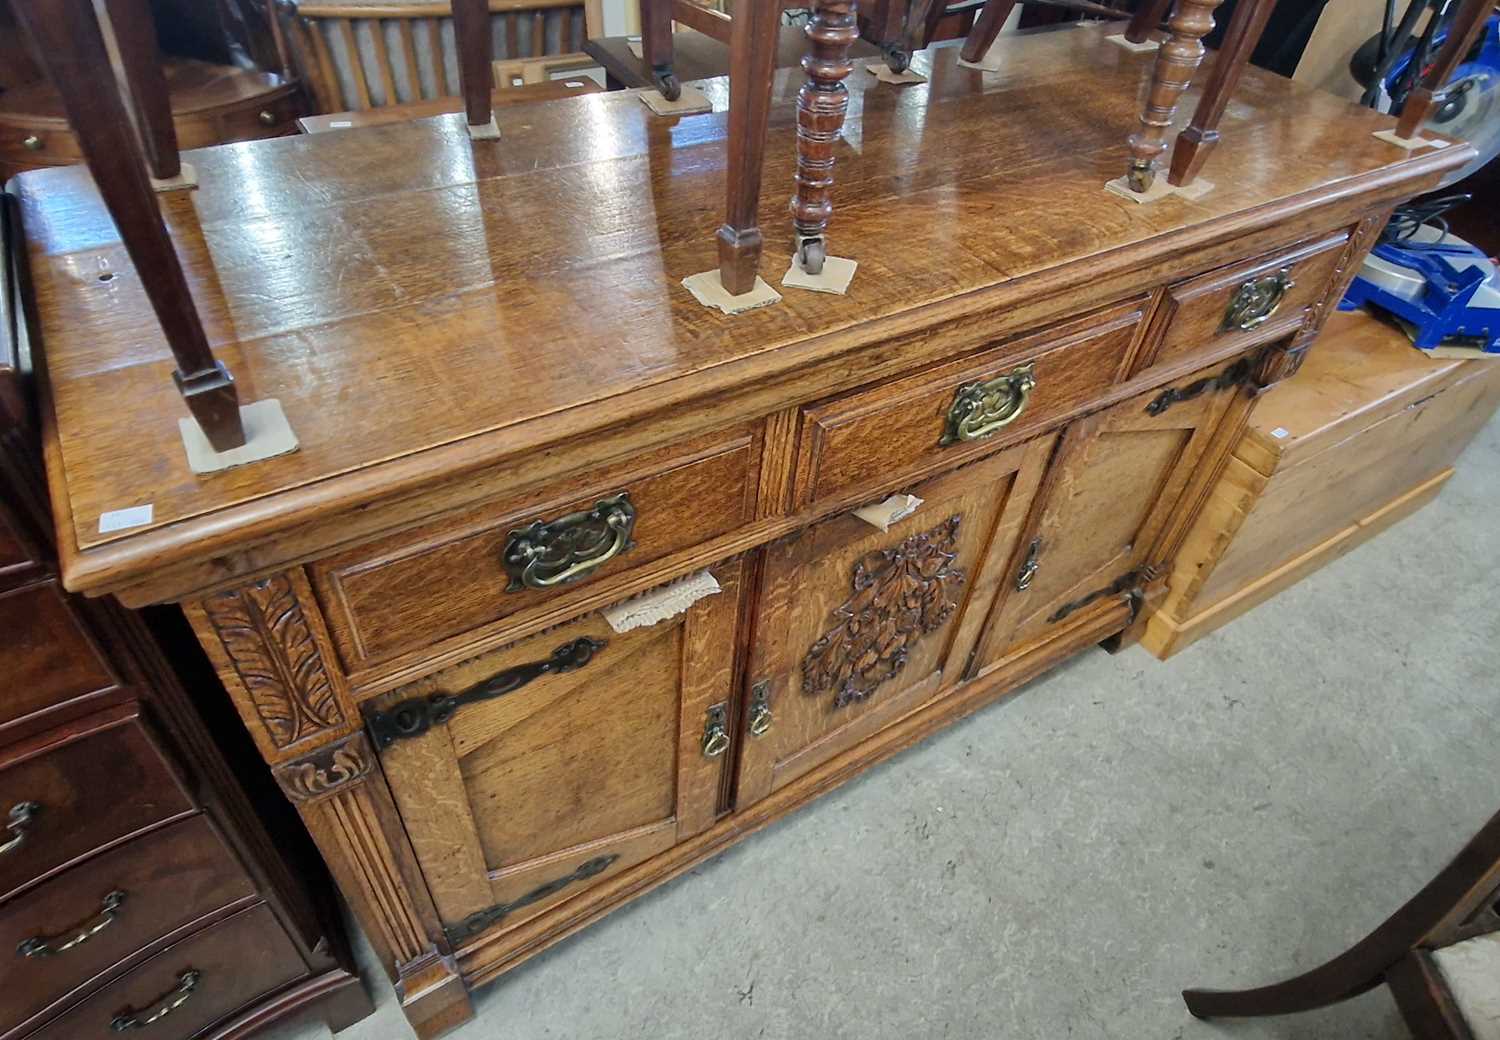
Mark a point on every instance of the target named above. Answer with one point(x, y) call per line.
point(1411, 144)
point(1159, 189)
point(990, 61)
point(485, 131)
point(1119, 40)
point(690, 102)
point(708, 290)
point(884, 74)
point(187, 177)
point(267, 434)
point(837, 273)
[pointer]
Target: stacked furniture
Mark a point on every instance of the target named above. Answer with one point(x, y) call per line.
point(138, 877)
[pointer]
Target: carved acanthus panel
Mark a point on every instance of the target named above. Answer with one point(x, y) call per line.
point(326, 769)
point(272, 649)
point(900, 594)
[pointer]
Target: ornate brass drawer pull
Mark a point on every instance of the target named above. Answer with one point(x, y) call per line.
point(482, 919)
point(187, 982)
point(416, 715)
point(49, 946)
point(1255, 301)
point(760, 708)
point(716, 731)
point(980, 409)
point(21, 815)
point(547, 553)
point(1028, 566)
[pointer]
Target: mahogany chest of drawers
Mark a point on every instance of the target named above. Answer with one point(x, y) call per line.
point(518, 433)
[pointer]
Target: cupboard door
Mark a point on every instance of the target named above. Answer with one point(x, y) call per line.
point(857, 627)
point(570, 756)
point(1105, 507)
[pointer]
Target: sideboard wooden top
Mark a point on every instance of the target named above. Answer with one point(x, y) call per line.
point(422, 306)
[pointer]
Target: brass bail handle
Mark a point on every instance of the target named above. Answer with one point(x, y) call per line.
point(50, 946)
point(716, 731)
point(20, 817)
point(980, 410)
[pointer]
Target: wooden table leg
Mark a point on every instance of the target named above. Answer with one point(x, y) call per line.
point(754, 32)
point(821, 105)
point(656, 46)
point(986, 27)
point(68, 39)
point(1176, 61)
point(1146, 20)
point(1461, 36)
point(1202, 135)
point(476, 78)
point(140, 60)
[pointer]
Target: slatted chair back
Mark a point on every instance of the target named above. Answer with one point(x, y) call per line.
point(356, 55)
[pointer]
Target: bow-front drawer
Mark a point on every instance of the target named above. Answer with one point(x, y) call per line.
point(66, 795)
point(496, 560)
point(1205, 313)
point(64, 932)
point(949, 415)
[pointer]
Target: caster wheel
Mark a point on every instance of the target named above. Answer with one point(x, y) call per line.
point(1140, 178)
point(898, 58)
point(814, 252)
point(668, 83)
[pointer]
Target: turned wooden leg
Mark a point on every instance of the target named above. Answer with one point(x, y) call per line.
point(140, 60)
point(986, 27)
point(752, 70)
point(269, 644)
point(67, 37)
point(656, 46)
point(476, 77)
point(821, 105)
point(1461, 36)
point(1146, 20)
point(1202, 135)
point(1176, 62)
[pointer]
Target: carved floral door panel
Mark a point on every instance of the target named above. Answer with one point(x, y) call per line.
point(857, 627)
point(1106, 504)
point(526, 775)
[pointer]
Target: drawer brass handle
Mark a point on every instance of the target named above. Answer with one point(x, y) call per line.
point(266, 117)
point(187, 982)
point(1029, 566)
point(980, 409)
point(32, 143)
point(416, 715)
point(547, 553)
point(716, 731)
point(1254, 302)
point(51, 945)
point(760, 708)
point(21, 815)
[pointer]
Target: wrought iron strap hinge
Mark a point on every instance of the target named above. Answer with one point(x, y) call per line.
point(1240, 372)
point(416, 715)
point(1127, 584)
point(482, 919)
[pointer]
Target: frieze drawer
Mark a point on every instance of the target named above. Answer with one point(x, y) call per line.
point(64, 796)
point(87, 919)
point(940, 418)
point(410, 590)
point(1203, 312)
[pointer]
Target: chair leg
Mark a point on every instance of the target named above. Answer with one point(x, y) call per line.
point(656, 46)
point(1202, 135)
point(986, 27)
point(1146, 20)
point(1176, 62)
point(67, 36)
point(821, 105)
point(476, 77)
point(1461, 36)
point(912, 35)
point(754, 32)
point(140, 59)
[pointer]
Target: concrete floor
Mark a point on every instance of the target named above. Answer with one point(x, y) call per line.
point(1062, 864)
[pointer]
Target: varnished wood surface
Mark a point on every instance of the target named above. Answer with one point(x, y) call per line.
point(551, 90)
point(401, 291)
point(696, 56)
point(192, 86)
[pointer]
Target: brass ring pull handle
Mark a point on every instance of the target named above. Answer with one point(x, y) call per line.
point(544, 554)
point(49, 946)
point(760, 708)
point(21, 815)
point(1254, 302)
point(981, 409)
point(716, 731)
point(187, 982)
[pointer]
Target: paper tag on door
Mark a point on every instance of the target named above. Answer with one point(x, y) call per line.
point(883, 514)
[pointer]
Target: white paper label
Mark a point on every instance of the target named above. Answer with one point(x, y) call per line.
point(120, 519)
point(1281, 433)
point(341, 124)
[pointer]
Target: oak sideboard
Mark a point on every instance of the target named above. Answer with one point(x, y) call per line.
point(516, 428)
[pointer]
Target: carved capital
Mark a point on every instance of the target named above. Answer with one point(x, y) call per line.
point(274, 655)
point(327, 769)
